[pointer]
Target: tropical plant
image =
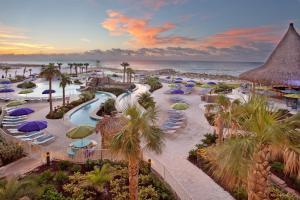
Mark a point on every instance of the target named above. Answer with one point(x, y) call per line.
point(24, 71)
point(129, 72)
point(124, 65)
point(86, 67)
point(154, 83)
point(64, 81)
point(107, 108)
point(99, 177)
point(146, 100)
point(244, 158)
point(141, 126)
point(15, 190)
point(26, 85)
point(70, 67)
point(49, 72)
point(30, 70)
point(59, 65)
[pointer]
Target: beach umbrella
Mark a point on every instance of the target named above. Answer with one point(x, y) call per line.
point(177, 92)
point(206, 86)
point(6, 90)
point(178, 78)
point(177, 81)
point(15, 103)
point(180, 106)
point(290, 91)
point(292, 96)
point(80, 132)
point(192, 81)
point(5, 82)
point(21, 111)
point(48, 91)
point(27, 91)
point(32, 126)
point(189, 85)
point(211, 83)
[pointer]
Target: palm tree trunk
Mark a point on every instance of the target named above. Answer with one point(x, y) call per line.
point(133, 171)
point(258, 177)
point(124, 74)
point(64, 97)
point(219, 129)
point(50, 96)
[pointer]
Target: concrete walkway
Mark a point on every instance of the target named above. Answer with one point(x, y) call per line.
point(185, 178)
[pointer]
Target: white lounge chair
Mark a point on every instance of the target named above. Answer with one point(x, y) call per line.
point(44, 139)
point(32, 137)
point(30, 134)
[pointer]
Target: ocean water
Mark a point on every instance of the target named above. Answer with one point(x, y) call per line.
point(208, 67)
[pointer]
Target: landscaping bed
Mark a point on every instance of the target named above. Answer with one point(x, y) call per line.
point(154, 83)
point(107, 107)
point(27, 85)
point(93, 180)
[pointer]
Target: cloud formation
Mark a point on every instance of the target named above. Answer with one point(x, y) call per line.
point(142, 33)
point(157, 4)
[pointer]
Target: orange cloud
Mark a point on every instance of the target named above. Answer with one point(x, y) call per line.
point(242, 37)
point(142, 34)
point(157, 4)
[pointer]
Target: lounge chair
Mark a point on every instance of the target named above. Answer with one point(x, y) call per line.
point(173, 122)
point(170, 127)
point(30, 134)
point(32, 138)
point(169, 131)
point(13, 120)
point(44, 139)
point(15, 117)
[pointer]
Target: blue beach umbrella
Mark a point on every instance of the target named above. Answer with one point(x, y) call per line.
point(6, 90)
point(21, 111)
point(48, 91)
point(32, 126)
point(5, 82)
point(189, 85)
point(193, 81)
point(211, 83)
point(178, 78)
point(177, 92)
point(177, 81)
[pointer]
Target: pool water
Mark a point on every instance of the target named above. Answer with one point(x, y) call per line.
point(82, 116)
point(71, 90)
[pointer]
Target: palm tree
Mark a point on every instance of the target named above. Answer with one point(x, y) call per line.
point(59, 65)
point(6, 69)
point(124, 65)
point(141, 126)
point(76, 68)
point(49, 72)
point(24, 71)
point(99, 177)
point(244, 157)
point(86, 67)
point(146, 100)
point(129, 74)
point(64, 81)
point(30, 70)
point(70, 66)
point(15, 190)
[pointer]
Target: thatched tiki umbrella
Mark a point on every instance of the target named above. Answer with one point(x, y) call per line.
point(108, 127)
point(283, 65)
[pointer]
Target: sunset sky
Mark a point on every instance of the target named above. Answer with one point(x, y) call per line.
point(238, 29)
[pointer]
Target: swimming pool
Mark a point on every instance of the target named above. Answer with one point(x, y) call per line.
point(82, 115)
point(41, 86)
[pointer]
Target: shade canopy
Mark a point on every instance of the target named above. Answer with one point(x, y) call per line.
point(180, 106)
point(5, 82)
point(21, 111)
point(27, 91)
point(172, 85)
point(177, 92)
point(178, 78)
point(33, 126)
point(292, 96)
point(177, 81)
point(189, 85)
point(6, 90)
point(282, 66)
point(48, 91)
point(15, 103)
point(80, 132)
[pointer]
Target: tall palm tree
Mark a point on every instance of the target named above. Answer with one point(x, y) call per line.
point(30, 70)
point(99, 177)
point(86, 67)
point(59, 65)
point(24, 71)
point(76, 68)
point(6, 69)
point(124, 65)
point(129, 74)
point(146, 100)
point(70, 66)
point(49, 72)
point(141, 126)
point(244, 158)
point(64, 81)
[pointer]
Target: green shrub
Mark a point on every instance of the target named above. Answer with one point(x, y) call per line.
point(240, 193)
point(148, 193)
point(146, 100)
point(26, 85)
point(107, 107)
point(77, 82)
point(209, 139)
point(223, 88)
point(145, 180)
point(44, 177)
point(277, 194)
point(192, 154)
point(50, 193)
point(154, 83)
point(64, 165)
point(9, 152)
point(60, 177)
point(75, 168)
point(277, 166)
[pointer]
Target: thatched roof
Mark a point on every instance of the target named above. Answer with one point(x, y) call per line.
point(283, 65)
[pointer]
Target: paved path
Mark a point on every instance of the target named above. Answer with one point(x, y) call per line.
point(188, 180)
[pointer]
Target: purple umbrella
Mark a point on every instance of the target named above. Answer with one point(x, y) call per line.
point(6, 90)
point(211, 83)
point(191, 81)
point(48, 91)
point(177, 92)
point(178, 78)
point(178, 81)
point(32, 126)
point(189, 85)
point(21, 111)
point(5, 82)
